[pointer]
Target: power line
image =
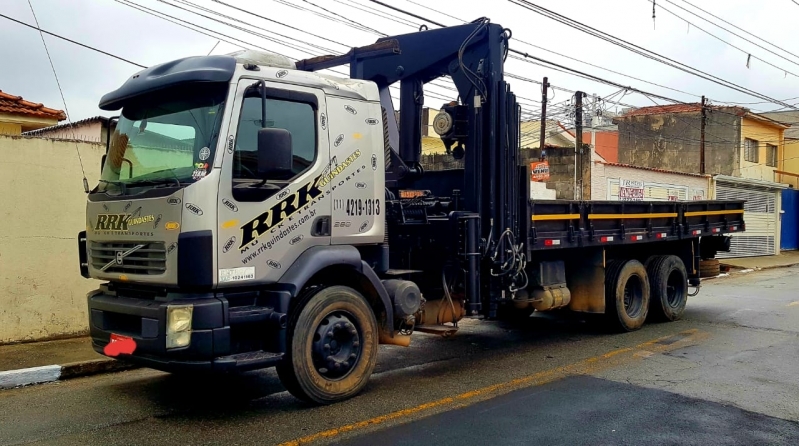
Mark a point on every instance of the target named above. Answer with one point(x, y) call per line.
point(641, 51)
point(61, 92)
point(724, 41)
point(739, 28)
point(571, 57)
point(72, 41)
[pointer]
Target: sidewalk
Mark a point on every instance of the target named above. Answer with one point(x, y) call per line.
point(38, 362)
point(784, 259)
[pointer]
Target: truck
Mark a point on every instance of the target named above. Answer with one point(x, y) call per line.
point(253, 212)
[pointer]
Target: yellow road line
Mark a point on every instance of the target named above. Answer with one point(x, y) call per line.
point(793, 303)
point(541, 217)
point(729, 211)
point(584, 367)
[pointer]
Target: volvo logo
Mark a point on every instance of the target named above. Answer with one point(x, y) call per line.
point(120, 256)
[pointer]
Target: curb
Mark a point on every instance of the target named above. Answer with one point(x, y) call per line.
point(49, 373)
point(738, 270)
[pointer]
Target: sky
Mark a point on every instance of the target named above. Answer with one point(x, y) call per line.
point(306, 28)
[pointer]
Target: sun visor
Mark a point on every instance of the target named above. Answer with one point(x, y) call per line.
point(181, 71)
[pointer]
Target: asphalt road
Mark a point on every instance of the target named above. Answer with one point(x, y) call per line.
point(725, 374)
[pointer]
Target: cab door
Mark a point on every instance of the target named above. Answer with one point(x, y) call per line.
point(266, 223)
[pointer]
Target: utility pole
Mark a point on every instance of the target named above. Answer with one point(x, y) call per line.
point(702, 140)
point(544, 90)
point(578, 145)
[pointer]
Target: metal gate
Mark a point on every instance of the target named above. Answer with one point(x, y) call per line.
point(760, 216)
point(789, 232)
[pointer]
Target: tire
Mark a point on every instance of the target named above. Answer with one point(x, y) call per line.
point(342, 315)
point(668, 287)
point(626, 295)
point(709, 268)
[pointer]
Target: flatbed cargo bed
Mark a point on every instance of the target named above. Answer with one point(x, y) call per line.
point(558, 224)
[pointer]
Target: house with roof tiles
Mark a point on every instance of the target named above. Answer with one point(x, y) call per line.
point(18, 115)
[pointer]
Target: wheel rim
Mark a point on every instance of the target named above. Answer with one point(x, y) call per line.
point(633, 296)
point(336, 345)
point(675, 289)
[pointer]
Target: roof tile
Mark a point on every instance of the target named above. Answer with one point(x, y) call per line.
point(15, 105)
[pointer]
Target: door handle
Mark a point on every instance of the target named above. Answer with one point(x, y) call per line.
point(321, 226)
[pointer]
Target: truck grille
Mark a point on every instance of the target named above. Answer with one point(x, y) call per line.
point(149, 259)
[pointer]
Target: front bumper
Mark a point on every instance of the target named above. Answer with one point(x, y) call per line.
point(144, 320)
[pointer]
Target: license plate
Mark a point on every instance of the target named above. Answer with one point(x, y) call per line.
point(120, 345)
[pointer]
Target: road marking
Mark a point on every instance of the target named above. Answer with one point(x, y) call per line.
point(585, 367)
point(793, 303)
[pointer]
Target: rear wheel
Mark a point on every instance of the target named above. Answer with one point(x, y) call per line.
point(332, 347)
point(668, 284)
point(626, 295)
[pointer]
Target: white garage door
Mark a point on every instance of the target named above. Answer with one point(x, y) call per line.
point(760, 216)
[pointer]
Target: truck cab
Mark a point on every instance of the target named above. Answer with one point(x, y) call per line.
point(221, 173)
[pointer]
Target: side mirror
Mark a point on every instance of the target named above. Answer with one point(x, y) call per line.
point(275, 154)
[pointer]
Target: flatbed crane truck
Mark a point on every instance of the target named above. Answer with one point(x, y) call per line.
point(253, 212)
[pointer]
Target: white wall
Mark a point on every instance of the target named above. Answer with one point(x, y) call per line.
point(42, 209)
point(657, 185)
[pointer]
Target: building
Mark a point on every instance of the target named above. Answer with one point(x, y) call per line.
point(789, 170)
point(622, 182)
point(18, 115)
point(605, 140)
point(93, 129)
point(744, 151)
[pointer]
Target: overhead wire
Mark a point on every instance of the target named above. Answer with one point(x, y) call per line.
point(641, 51)
point(61, 92)
point(724, 41)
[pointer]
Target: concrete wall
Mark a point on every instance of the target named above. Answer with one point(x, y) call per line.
point(561, 168)
point(42, 294)
point(765, 134)
point(672, 141)
point(90, 132)
point(657, 185)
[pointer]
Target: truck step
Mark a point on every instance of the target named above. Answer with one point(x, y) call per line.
point(401, 272)
point(252, 313)
point(248, 361)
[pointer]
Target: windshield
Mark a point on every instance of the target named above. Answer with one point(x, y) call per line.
point(168, 138)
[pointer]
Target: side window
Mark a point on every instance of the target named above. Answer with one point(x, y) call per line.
point(298, 118)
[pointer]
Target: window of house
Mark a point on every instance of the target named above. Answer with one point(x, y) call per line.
point(771, 155)
point(751, 150)
point(299, 118)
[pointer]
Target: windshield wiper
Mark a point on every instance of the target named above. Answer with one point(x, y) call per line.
point(115, 183)
point(157, 182)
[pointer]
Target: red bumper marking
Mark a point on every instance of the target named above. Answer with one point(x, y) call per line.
point(120, 344)
point(662, 235)
point(636, 238)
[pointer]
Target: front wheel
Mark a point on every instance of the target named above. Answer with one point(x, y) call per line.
point(332, 347)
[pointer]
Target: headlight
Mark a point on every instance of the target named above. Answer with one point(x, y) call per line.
point(178, 325)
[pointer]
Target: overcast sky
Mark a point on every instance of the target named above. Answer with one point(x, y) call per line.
point(142, 38)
